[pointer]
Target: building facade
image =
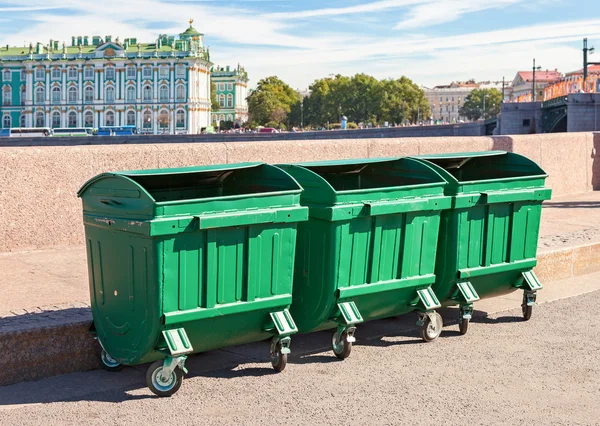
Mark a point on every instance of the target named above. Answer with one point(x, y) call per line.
point(232, 90)
point(159, 87)
point(446, 101)
point(522, 84)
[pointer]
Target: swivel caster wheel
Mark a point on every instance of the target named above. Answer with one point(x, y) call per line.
point(278, 358)
point(341, 344)
point(163, 384)
point(109, 363)
point(430, 330)
point(527, 305)
point(463, 325)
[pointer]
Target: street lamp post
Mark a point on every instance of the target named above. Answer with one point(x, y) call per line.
point(587, 51)
point(533, 82)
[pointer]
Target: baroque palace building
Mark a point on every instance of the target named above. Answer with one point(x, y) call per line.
point(159, 87)
point(231, 87)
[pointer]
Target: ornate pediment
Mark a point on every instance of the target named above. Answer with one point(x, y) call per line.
point(110, 49)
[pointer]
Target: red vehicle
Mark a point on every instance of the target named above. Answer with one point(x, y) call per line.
point(268, 130)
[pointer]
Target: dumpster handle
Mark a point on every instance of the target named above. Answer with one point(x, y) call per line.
point(110, 202)
point(408, 205)
point(490, 197)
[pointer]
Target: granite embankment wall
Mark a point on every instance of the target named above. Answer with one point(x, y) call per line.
point(38, 185)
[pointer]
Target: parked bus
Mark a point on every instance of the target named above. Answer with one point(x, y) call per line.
point(30, 132)
point(75, 131)
point(117, 131)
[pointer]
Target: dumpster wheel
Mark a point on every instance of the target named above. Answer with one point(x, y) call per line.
point(430, 330)
point(160, 385)
point(278, 356)
point(527, 305)
point(341, 343)
point(109, 363)
point(463, 325)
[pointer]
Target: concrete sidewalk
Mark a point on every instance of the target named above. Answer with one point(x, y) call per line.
point(44, 309)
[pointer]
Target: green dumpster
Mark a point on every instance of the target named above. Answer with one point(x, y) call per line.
point(188, 260)
point(368, 249)
point(488, 240)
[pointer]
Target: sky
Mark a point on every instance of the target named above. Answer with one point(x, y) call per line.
point(432, 42)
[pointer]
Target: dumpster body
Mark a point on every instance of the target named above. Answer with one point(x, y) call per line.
point(368, 249)
point(488, 240)
point(189, 260)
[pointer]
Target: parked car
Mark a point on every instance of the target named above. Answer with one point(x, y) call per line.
point(268, 130)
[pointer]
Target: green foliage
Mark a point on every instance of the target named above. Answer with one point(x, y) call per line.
point(276, 125)
point(473, 106)
point(214, 102)
point(273, 100)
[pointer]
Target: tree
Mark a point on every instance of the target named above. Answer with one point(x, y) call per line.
point(271, 101)
point(214, 102)
point(473, 108)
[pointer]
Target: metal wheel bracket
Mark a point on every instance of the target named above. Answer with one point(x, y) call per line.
point(466, 311)
point(350, 330)
point(170, 364)
point(424, 315)
point(350, 314)
point(285, 345)
point(529, 298)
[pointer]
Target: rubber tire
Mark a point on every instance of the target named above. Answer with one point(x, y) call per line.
point(423, 330)
point(346, 348)
point(463, 326)
point(160, 392)
point(280, 362)
point(109, 367)
point(527, 311)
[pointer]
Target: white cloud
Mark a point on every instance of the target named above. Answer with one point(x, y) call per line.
point(348, 10)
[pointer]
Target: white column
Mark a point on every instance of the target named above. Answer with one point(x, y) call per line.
point(102, 123)
point(154, 123)
point(63, 86)
point(172, 126)
point(29, 88)
point(80, 119)
point(139, 83)
point(80, 90)
point(96, 84)
point(123, 75)
point(155, 83)
point(139, 122)
point(48, 122)
point(101, 87)
point(48, 88)
point(172, 79)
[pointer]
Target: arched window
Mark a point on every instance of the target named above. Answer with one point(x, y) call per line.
point(23, 94)
point(180, 92)
point(163, 119)
point(147, 94)
point(230, 101)
point(23, 120)
point(221, 117)
point(89, 93)
point(131, 94)
point(6, 75)
point(56, 95)
point(40, 95)
point(131, 118)
point(40, 119)
point(147, 120)
point(214, 117)
point(72, 119)
point(180, 118)
point(6, 122)
point(88, 119)
point(110, 94)
point(72, 94)
point(109, 119)
point(163, 93)
point(6, 95)
point(55, 119)
point(222, 101)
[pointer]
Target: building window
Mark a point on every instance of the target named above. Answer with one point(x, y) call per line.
point(109, 73)
point(452, 108)
point(131, 118)
point(147, 120)
point(88, 118)
point(23, 94)
point(6, 75)
point(441, 99)
point(164, 71)
point(23, 75)
point(72, 119)
point(180, 70)
point(89, 94)
point(55, 119)
point(230, 101)
point(40, 95)
point(163, 93)
point(526, 122)
point(147, 94)
point(131, 72)
point(131, 94)
point(180, 92)
point(109, 120)
point(88, 73)
point(229, 117)
point(221, 118)
point(23, 120)
point(72, 74)
point(40, 119)
point(163, 119)
point(55, 73)
point(6, 95)
point(230, 87)
point(147, 72)
point(222, 87)
point(56, 95)
point(6, 122)
point(110, 94)
point(452, 98)
point(180, 118)
point(72, 95)
point(39, 73)
point(222, 101)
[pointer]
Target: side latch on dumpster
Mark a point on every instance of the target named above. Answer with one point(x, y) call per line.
point(284, 323)
point(177, 341)
point(532, 281)
point(428, 299)
point(349, 313)
point(467, 291)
